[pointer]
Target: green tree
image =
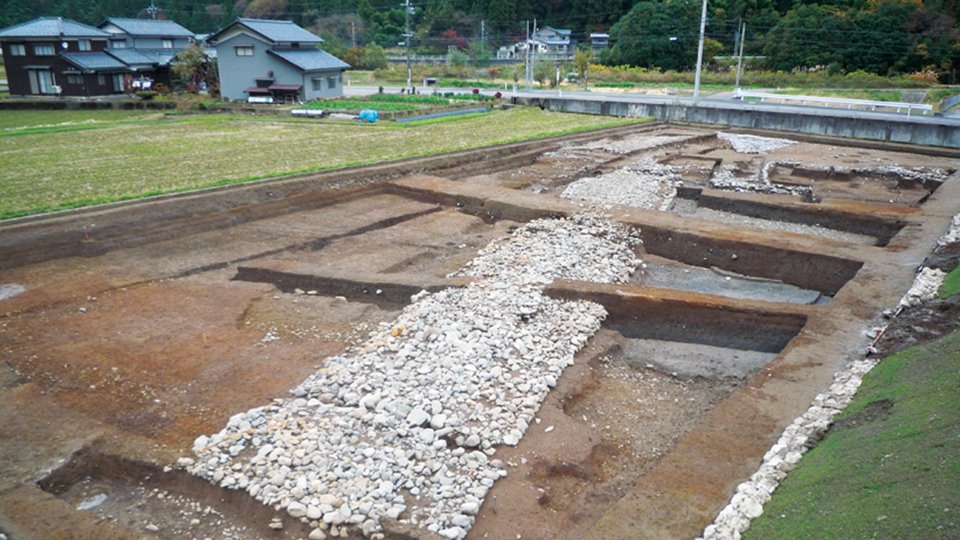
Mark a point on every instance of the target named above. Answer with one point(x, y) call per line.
point(192, 66)
point(657, 34)
point(374, 57)
point(458, 60)
point(582, 60)
point(478, 53)
point(544, 72)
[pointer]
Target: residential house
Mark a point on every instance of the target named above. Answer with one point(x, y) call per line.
point(275, 61)
point(557, 41)
point(147, 46)
point(599, 42)
point(56, 56)
point(547, 43)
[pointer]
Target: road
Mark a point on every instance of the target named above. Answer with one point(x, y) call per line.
point(718, 101)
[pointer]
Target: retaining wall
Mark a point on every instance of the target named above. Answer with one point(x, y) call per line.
point(927, 132)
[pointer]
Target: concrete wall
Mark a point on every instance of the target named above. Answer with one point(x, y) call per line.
point(926, 131)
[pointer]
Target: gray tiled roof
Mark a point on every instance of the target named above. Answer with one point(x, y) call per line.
point(311, 59)
point(96, 61)
point(280, 31)
point(130, 56)
point(159, 56)
point(52, 27)
point(148, 27)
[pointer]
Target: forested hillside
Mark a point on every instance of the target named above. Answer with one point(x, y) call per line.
point(879, 36)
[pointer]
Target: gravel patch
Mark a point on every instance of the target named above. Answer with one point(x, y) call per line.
point(628, 145)
point(724, 178)
point(10, 290)
point(751, 144)
point(645, 184)
point(406, 426)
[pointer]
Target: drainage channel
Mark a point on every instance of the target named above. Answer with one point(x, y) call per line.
point(668, 274)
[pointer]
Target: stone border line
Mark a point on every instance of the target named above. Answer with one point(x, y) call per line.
point(807, 430)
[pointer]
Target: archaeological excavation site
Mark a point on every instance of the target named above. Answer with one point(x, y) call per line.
point(625, 333)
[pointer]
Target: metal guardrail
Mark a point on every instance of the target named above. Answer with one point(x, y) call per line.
point(850, 103)
point(949, 102)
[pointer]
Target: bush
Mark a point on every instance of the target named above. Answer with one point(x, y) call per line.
point(147, 96)
point(161, 88)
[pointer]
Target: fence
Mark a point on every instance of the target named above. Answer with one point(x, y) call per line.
point(828, 101)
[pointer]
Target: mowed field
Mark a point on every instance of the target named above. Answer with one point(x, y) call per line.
point(63, 159)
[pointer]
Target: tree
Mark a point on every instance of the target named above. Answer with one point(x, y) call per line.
point(543, 72)
point(458, 60)
point(192, 66)
point(266, 9)
point(582, 60)
point(374, 57)
point(656, 34)
point(479, 55)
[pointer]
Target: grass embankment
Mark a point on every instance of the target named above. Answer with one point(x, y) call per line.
point(890, 468)
point(951, 284)
point(67, 168)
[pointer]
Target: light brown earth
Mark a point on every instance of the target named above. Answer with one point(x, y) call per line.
point(119, 360)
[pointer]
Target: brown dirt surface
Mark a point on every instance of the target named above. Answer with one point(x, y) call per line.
point(138, 351)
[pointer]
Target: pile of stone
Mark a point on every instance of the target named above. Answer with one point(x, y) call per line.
point(750, 144)
point(644, 184)
point(924, 288)
point(726, 178)
point(631, 144)
point(406, 426)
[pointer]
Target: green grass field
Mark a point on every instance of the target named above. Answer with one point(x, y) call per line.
point(895, 474)
point(60, 166)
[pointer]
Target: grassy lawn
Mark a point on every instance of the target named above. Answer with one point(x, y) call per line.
point(893, 471)
point(14, 121)
point(132, 158)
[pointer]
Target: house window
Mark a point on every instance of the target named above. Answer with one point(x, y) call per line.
point(244, 50)
point(17, 49)
point(168, 44)
point(74, 79)
point(43, 50)
point(84, 44)
point(118, 44)
point(317, 84)
point(331, 82)
point(101, 80)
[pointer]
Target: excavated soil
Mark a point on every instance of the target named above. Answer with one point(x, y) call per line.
point(113, 363)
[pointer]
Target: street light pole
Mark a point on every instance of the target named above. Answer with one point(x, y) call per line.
point(407, 35)
point(696, 82)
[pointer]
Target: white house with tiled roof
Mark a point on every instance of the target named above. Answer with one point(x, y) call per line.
point(275, 61)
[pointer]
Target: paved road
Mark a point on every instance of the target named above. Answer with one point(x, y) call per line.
point(718, 101)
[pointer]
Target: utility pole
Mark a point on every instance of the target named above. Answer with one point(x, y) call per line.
point(526, 59)
point(153, 10)
point(483, 34)
point(531, 54)
point(703, 27)
point(353, 34)
point(743, 38)
point(407, 35)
